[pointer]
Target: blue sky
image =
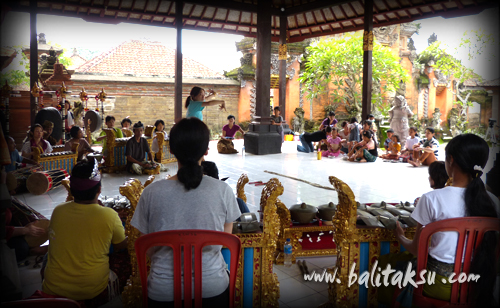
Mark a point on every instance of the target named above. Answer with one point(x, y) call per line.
point(218, 51)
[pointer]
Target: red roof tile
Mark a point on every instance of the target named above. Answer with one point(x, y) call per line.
point(141, 58)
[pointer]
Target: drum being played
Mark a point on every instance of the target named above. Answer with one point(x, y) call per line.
point(16, 180)
point(41, 182)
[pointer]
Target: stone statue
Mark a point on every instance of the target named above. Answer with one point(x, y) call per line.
point(298, 120)
point(398, 118)
point(432, 38)
point(455, 122)
point(436, 119)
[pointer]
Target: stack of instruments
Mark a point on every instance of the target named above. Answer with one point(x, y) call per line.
point(16, 180)
point(385, 215)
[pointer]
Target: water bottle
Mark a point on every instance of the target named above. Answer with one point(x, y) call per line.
point(288, 254)
point(243, 151)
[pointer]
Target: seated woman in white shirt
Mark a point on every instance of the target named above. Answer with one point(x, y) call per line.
point(466, 156)
point(36, 140)
point(188, 200)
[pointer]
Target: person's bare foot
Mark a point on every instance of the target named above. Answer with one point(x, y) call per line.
point(418, 163)
point(411, 162)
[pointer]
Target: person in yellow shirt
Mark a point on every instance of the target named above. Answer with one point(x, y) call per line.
point(80, 234)
point(394, 148)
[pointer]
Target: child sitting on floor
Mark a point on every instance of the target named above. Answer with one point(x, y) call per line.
point(410, 142)
point(367, 151)
point(389, 132)
point(333, 142)
point(394, 148)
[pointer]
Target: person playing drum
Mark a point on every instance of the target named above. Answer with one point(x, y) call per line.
point(77, 138)
point(36, 140)
point(15, 157)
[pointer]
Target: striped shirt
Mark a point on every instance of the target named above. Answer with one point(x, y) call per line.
point(433, 142)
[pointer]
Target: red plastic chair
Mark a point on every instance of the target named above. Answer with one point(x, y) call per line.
point(44, 302)
point(471, 231)
point(190, 240)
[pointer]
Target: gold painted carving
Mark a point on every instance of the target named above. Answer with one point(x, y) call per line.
point(367, 40)
point(132, 293)
point(348, 238)
point(240, 187)
point(164, 146)
point(283, 48)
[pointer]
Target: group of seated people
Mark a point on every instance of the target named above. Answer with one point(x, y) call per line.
point(358, 142)
point(417, 151)
point(78, 255)
point(41, 136)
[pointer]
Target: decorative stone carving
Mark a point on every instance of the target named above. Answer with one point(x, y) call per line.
point(275, 66)
point(386, 35)
point(398, 118)
point(411, 44)
point(253, 105)
point(436, 119)
point(432, 38)
point(298, 120)
point(442, 82)
point(408, 29)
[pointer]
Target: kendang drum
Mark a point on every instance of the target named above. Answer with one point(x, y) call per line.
point(41, 182)
point(53, 115)
point(95, 120)
point(16, 180)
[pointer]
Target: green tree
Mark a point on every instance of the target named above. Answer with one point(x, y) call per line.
point(335, 67)
point(20, 76)
point(474, 44)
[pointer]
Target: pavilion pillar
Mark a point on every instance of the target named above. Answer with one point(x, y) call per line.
point(282, 64)
point(178, 62)
point(262, 137)
point(367, 60)
point(33, 59)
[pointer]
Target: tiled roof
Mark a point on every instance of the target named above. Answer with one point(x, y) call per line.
point(486, 83)
point(140, 58)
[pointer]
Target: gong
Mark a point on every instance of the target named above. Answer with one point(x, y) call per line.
point(95, 120)
point(53, 115)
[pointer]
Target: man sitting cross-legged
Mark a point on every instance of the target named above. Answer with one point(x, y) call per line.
point(136, 150)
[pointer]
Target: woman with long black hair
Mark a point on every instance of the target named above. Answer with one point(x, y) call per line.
point(466, 156)
point(188, 200)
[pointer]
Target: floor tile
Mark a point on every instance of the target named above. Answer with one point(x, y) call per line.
point(309, 301)
point(291, 290)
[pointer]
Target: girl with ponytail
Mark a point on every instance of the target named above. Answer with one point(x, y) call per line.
point(466, 156)
point(197, 101)
point(188, 200)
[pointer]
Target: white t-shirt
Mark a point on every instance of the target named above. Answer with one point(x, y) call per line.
point(27, 147)
point(439, 204)
point(411, 141)
point(166, 205)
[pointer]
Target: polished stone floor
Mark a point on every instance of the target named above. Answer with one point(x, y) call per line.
point(370, 182)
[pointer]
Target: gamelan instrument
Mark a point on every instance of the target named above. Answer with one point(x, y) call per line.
point(53, 115)
point(16, 180)
point(41, 182)
point(95, 120)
